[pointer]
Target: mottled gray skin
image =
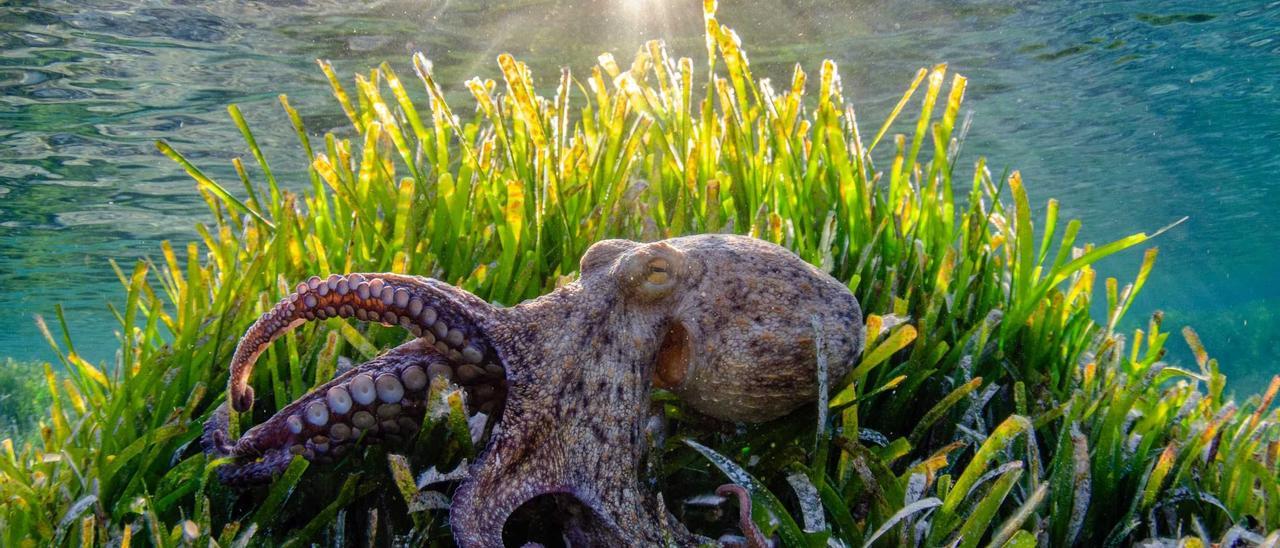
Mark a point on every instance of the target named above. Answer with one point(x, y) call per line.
point(728, 323)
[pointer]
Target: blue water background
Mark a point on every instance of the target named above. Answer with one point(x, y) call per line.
point(1133, 114)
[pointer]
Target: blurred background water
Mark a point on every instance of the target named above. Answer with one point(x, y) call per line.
point(1134, 114)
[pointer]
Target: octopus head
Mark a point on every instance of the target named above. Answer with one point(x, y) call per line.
point(745, 323)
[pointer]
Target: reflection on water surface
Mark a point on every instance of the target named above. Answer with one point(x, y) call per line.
point(1134, 114)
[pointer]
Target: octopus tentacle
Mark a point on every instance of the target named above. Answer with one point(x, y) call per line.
point(383, 399)
point(447, 317)
point(755, 539)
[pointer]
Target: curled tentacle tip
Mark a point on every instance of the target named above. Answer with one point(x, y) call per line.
point(215, 438)
point(755, 539)
point(242, 399)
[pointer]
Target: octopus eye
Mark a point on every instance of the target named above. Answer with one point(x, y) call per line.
point(659, 272)
point(650, 272)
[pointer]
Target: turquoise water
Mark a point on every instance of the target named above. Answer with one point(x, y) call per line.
point(1133, 114)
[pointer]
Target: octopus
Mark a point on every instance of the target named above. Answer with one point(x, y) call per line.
point(735, 327)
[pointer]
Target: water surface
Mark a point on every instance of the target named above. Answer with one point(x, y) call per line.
point(1133, 114)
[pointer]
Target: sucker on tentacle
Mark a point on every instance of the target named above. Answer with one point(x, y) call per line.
point(382, 399)
point(435, 312)
point(727, 323)
point(365, 401)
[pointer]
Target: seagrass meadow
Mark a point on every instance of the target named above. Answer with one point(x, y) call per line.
point(997, 400)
